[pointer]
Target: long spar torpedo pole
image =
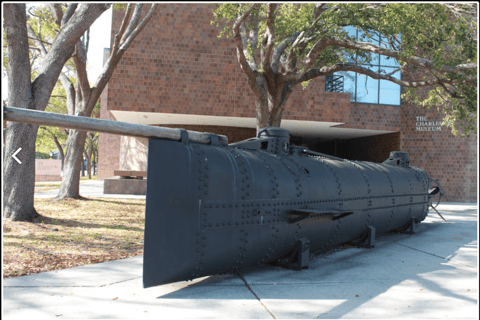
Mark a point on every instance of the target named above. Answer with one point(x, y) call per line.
point(105, 126)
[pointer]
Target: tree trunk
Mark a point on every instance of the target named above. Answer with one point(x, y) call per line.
point(269, 107)
point(263, 113)
point(70, 187)
point(89, 160)
point(60, 150)
point(276, 117)
point(19, 178)
point(82, 168)
point(19, 186)
point(94, 162)
point(89, 152)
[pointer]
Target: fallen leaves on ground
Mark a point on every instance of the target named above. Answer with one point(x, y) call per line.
point(72, 233)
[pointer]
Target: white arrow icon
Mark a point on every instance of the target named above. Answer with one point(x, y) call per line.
point(16, 159)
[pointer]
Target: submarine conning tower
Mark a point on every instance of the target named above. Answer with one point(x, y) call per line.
point(270, 139)
point(398, 158)
point(278, 140)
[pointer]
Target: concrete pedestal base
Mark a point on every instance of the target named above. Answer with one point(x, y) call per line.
point(117, 185)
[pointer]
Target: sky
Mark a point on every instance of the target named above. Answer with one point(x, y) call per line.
point(99, 39)
point(100, 34)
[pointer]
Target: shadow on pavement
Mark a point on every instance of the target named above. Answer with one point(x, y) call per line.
point(419, 273)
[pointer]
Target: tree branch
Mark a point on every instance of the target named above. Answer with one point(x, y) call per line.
point(291, 57)
point(34, 58)
point(359, 69)
point(451, 94)
point(114, 58)
point(62, 49)
point(366, 46)
point(80, 59)
point(57, 12)
point(461, 9)
point(270, 41)
point(39, 43)
point(87, 41)
point(133, 22)
point(70, 91)
point(253, 38)
point(72, 7)
point(318, 10)
point(119, 35)
point(312, 56)
point(36, 38)
point(139, 28)
point(277, 53)
point(240, 50)
point(243, 35)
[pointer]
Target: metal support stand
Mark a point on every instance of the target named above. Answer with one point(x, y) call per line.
point(301, 255)
point(370, 241)
point(411, 227)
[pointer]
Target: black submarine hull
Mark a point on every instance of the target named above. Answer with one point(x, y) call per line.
point(215, 208)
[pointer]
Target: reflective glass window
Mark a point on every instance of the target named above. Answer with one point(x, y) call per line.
point(364, 89)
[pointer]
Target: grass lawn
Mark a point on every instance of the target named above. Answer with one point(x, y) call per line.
point(72, 233)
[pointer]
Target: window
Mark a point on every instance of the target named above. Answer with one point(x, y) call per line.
point(364, 89)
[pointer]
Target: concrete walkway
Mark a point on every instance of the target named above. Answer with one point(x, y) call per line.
point(90, 189)
point(431, 274)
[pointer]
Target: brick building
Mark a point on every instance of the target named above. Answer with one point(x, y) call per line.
point(178, 74)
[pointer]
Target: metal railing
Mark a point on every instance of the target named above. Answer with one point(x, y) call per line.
point(334, 83)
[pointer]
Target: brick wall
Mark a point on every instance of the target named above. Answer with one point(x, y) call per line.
point(449, 159)
point(108, 144)
point(452, 160)
point(178, 65)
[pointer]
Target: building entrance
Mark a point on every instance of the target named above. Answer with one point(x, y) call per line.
point(372, 148)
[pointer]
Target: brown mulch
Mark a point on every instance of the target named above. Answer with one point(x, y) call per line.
point(72, 233)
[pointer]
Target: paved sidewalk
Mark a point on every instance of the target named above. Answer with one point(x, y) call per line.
point(90, 189)
point(431, 274)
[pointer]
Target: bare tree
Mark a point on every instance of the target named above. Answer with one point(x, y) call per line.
point(19, 178)
point(81, 99)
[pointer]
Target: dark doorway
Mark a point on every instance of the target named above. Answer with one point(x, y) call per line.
point(373, 148)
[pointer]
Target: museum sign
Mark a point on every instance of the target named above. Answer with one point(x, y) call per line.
point(423, 124)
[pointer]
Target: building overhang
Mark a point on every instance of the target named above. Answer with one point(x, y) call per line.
point(303, 128)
